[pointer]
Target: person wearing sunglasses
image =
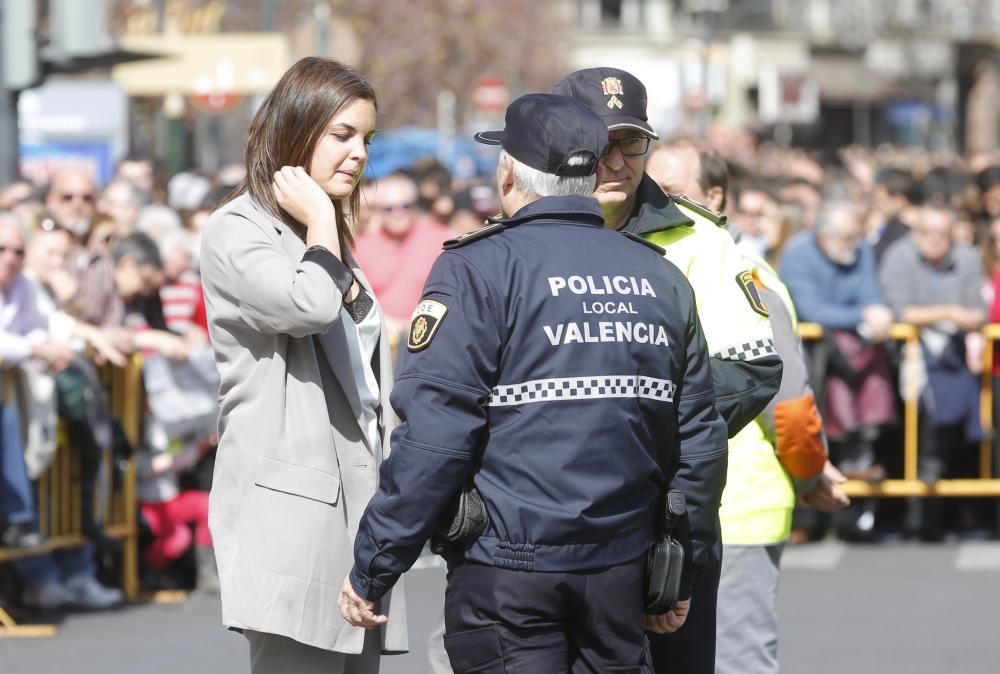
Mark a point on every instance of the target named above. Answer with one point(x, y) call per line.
point(70, 200)
point(398, 251)
point(745, 366)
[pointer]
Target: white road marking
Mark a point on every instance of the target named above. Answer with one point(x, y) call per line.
point(978, 557)
point(824, 556)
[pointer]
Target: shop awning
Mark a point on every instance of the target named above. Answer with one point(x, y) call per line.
point(846, 79)
point(230, 63)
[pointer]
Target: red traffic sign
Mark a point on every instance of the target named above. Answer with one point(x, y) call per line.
point(490, 94)
point(215, 102)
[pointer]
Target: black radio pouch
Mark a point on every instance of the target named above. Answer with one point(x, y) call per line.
point(665, 559)
point(463, 520)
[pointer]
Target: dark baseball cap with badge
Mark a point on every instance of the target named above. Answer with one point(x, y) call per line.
point(544, 130)
point(618, 97)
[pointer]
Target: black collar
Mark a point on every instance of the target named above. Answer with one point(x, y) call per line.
point(654, 211)
point(576, 209)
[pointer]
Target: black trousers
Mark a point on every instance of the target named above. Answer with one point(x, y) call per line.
point(499, 621)
point(691, 649)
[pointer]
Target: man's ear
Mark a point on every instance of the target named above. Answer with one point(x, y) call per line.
point(505, 180)
point(716, 199)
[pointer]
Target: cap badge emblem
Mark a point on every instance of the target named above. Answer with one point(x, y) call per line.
point(612, 86)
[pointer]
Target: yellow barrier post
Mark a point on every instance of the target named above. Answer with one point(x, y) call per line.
point(911, 424)
point(132, 420)
point(992, 334)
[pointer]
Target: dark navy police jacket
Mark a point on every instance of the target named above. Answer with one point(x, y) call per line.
point(562, 366)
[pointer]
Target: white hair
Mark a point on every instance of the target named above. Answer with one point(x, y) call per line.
point(531, 181)
point(11, 219)
point(134, 198)
point(831, 212)
point(157, 220)
point(403, 181)
point(177, 241)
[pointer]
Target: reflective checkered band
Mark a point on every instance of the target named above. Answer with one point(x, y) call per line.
point(583, 388)
point(748, 350)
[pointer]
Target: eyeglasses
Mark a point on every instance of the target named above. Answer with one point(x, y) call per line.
point(85, 197)
point(631, 146)
point(19, 252)
point(396, 207)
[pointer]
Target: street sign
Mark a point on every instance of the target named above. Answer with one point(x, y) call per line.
point(490, 95)
point(215, 102)
point(787, 96)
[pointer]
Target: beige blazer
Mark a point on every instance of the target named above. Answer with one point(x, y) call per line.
point(291, 479)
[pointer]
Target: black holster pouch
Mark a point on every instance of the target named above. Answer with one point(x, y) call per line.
point(665, 558)
point(462, 521)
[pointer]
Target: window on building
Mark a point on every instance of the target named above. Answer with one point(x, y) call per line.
point(611, 14)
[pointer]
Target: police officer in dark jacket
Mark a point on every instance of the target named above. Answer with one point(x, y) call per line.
point(561, 368)
point(745, 366)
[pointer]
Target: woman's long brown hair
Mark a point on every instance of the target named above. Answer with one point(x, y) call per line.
point(287, 126)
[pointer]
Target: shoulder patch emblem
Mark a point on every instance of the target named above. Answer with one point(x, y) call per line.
point(745, 280)
point(426, 320)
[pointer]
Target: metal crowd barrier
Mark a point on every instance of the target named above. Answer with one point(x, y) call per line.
point(59, 501)
point(910, 484)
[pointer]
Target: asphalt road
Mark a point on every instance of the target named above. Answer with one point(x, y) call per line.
point(893, 608)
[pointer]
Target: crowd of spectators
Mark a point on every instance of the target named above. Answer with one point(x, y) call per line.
point(90, 274)
point(864, 240)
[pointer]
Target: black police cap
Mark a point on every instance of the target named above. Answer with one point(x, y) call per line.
point(618, 97)
point(544, 130)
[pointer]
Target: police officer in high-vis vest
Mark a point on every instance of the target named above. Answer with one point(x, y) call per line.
point(560, 370)
point(780, 455)
point(745, 365)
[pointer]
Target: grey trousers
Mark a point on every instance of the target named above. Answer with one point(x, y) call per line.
point(275, 654)
point(437, 656)
point(747, 621)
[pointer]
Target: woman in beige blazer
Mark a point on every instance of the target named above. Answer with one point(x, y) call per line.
point(304, 399)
